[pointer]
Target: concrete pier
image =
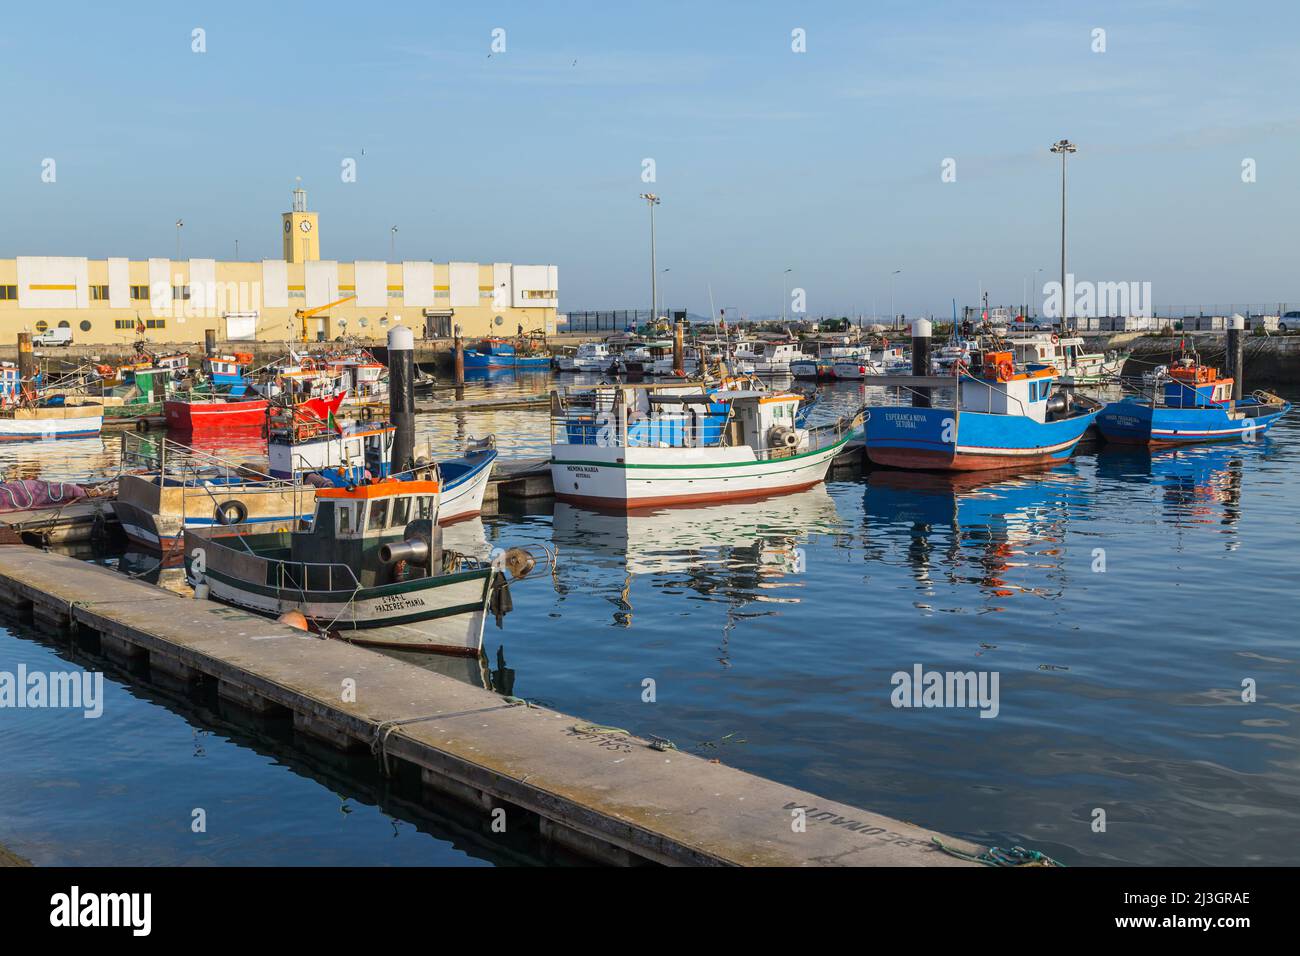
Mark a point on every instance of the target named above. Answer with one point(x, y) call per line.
point(609, 796)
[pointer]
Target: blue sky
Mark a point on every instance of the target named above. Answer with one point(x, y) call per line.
point(825, 162)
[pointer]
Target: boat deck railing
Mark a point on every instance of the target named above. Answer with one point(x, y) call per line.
point(283, 574)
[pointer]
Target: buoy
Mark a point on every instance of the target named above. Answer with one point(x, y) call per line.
point(294, 619)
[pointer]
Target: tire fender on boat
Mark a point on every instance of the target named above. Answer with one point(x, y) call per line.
point(229, 512)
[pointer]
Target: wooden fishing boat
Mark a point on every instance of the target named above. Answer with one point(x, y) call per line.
point(48, 422)
point(371, 569)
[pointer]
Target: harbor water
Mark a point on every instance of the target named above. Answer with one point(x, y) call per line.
point(1126, 600)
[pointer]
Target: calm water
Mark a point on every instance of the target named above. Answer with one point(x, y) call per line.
point(772, 631)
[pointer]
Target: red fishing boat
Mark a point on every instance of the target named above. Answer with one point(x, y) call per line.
point(211, 415)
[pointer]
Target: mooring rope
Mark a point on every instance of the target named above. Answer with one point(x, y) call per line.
point(996, 856)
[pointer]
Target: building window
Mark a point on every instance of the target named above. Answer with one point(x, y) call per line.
point(539, 293)
point(65, 324)
point(8, 292)
point(180, 292)
point(140, 293)
point(85, 325)
point(123, 323)
point(98, 293)
point(42, 325)
point(155, 323)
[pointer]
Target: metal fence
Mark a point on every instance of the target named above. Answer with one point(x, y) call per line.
point(614, 320)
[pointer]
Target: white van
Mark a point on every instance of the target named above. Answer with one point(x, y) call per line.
point(59, 336)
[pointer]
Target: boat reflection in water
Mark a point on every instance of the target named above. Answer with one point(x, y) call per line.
point(1000, 534)
point(742, 552)
point(1199, 484)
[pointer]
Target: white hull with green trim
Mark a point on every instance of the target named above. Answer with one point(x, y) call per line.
point(644, 477)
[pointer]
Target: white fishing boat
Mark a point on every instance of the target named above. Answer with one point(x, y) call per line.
point(631, 446)
point(588, 357)
point(768, 358)
point(878, 361)
point(371, 568)
point(1067, 355)
point(52, 421)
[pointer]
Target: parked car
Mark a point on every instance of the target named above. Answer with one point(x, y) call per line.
point(1289, 321)
point(57, 337)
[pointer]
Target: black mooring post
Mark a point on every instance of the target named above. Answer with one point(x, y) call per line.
point(1236, 354)
point(920, 360)
point(401, 395)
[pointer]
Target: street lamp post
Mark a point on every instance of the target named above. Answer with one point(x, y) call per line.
point(893, 314)
point(784, 293)
point(392, 244)
point(1065, 148)
point(652, 200)
point(179, 225)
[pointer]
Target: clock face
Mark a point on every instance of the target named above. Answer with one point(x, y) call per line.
point(305, 225)
point(286, 225)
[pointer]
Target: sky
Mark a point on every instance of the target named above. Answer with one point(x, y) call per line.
point(827, 162)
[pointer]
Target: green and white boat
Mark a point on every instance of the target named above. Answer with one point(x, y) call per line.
point(370, 568)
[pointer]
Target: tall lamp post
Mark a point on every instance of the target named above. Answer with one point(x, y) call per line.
point(1065, 148)
point(652, 200)
point(893, 314)
point(180, 223)
point(392, 244)
point(784, 293)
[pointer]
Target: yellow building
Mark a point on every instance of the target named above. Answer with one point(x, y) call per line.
point(107, 301)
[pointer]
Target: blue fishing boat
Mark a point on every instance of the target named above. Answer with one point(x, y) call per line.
point(229, 373)
point(1194, 405)
point(999, 418)
point(498, 353)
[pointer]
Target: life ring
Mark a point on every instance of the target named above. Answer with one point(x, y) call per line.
point(230, 512)
point(1055, 338)
point(1006, 371)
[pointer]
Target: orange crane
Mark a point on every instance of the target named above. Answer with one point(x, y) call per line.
point(305, 314)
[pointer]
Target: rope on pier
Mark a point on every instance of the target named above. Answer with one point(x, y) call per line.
point(995, 856)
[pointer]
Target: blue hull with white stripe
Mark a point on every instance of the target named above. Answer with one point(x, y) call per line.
point(1134, 422)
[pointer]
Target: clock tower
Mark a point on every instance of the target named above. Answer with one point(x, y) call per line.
point(301, 237)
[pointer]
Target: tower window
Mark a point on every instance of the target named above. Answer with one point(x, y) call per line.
point(98, 293)
point(140, 293)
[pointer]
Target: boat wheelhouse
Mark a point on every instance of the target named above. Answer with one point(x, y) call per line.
point(1075, 365)
point(632, 446)
point(228, 372)
point(1190, 403)
point(998, 417)
point(769, 358)
point(370, 568)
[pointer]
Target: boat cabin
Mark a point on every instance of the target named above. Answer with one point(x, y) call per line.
point(1192, 385)
point(10, 383)
point(350, 525)
point(994, 386)
point(298, 443)
point(677, 416)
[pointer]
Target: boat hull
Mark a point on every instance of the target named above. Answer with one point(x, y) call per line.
point(1135, 423)
point(938, 439)
point(625, 478)
point(191, 417)
point(47, 429)
point(444, 614)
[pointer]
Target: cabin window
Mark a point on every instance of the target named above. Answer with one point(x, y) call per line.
point(344, 518)
point(354, 450)
point(378, 516)
point(426, 507)
point(401, 511)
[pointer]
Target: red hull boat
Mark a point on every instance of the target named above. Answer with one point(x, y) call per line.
point(201, 416)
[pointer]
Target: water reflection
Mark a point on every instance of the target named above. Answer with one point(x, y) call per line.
point(741, 553)
point(1198, 485)
point(1002, 535)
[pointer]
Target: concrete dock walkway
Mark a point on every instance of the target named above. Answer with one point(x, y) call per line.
point(606, 795)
